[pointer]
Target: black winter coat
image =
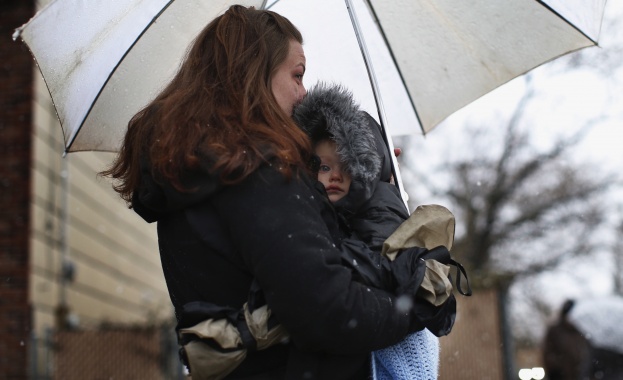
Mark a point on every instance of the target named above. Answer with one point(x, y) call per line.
point(284, 233)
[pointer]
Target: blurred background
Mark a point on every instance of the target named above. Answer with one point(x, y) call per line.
point(531, 171)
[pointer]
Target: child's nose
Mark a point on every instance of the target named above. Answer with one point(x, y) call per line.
point(336, 174)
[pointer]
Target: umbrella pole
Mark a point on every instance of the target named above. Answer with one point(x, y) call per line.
point(377, 98)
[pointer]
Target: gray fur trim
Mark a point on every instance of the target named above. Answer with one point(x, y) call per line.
point(332, 109)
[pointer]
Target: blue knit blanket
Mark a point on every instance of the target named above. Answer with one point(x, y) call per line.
point(415, 358)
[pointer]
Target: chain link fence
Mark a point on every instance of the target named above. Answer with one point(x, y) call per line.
point(111, 352)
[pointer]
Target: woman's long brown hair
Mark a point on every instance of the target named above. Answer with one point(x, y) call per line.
point(219, 109)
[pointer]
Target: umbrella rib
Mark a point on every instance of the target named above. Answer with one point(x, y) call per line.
point(270, 6)
point(569, 22)
point(391, 53)
point(75, 134)
point(377, 96)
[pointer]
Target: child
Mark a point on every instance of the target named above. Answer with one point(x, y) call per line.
point(371, 207)
point(355, 171)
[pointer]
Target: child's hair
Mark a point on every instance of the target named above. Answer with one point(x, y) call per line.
point(328, 138)
point(329, 112)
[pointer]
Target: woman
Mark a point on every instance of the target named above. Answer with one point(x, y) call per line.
point(218, 162)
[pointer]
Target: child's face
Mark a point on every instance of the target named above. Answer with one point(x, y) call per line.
point(335, 181)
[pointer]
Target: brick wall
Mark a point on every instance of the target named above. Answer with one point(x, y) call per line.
point(473, 350)
point(16, 77)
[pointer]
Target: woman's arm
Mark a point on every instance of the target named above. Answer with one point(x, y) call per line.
point(277, 227)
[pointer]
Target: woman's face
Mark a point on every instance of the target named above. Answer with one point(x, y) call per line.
point(336, 182)
point(287, 81)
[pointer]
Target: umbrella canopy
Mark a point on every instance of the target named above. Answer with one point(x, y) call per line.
point(103, 63)
point(449, 53)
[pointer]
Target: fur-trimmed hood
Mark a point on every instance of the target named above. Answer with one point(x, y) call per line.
point(329, 111)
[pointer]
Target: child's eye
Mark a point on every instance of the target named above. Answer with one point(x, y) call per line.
point(325, 168)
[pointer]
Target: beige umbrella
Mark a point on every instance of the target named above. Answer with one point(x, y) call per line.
point(103, 61)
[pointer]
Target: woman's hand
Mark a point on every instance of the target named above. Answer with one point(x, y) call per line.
point(397, 153)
